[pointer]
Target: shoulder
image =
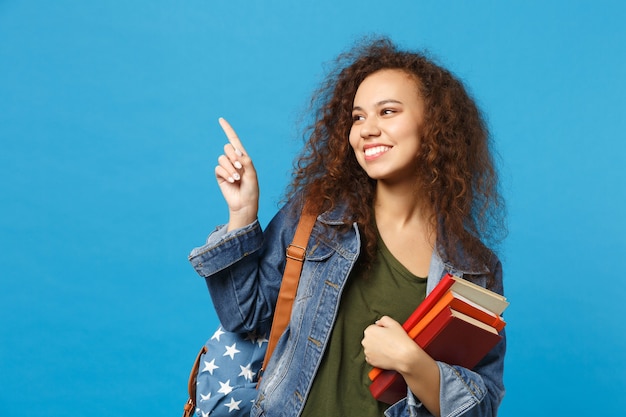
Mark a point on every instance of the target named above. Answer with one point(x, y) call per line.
point(475, 261)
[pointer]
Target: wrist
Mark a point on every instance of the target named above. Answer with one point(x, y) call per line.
point(409, 359)
point(241, 218)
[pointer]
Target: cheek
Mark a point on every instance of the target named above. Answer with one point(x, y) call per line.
point(354, 139)
point(410, 135)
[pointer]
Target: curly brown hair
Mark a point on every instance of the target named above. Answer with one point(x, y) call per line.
point(456, 169)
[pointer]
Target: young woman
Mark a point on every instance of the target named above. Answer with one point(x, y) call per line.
point(399, 170)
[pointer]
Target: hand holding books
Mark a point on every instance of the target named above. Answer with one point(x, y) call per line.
point(457, 323)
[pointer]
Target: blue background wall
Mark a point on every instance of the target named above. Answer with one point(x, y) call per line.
point(109, 136)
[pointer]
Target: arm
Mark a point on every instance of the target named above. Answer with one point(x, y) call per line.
point(242, 275)
point(243, 270)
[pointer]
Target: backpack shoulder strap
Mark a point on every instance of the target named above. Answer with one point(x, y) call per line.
point(295, 254)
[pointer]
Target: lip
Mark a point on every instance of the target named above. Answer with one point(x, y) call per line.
point(375, 150)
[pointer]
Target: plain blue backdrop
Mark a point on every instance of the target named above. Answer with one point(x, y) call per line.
point(109, 137)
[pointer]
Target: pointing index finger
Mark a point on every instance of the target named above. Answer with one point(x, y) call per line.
point(232, 136)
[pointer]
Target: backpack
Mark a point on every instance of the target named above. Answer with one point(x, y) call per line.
point(227, 370)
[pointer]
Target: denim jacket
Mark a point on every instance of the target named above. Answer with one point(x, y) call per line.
point(243, 271)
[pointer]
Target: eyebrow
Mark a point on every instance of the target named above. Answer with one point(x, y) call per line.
point(379, 104)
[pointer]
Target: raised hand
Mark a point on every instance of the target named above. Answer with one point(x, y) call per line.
point(237, 180)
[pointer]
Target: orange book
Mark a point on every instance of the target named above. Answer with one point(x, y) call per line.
point(451, 337)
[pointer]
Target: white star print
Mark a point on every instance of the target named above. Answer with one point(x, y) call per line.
point(231, 351)
point(205, 414)
point(205, 397)
point(246, 372)
point(217, 334)
point(262, 340)
point(225, 387)
point(210, 366)
point(232, 405)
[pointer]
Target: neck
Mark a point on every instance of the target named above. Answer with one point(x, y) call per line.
point(401, 205)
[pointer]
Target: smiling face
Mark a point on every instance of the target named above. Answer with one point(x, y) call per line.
point(386, 118)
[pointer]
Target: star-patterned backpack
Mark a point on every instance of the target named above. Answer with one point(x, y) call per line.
point(226, 372)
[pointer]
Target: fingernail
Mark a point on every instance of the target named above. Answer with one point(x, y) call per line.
point(238, 165)
point(236, 176)
point(231, 180)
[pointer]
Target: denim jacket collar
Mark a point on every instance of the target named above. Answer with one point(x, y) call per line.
point(337, 216)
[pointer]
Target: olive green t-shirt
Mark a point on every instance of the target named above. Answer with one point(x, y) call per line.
point(341, 386)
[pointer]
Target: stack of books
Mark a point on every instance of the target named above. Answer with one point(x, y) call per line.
point(457, 323)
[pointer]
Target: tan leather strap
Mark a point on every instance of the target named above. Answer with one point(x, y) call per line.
point(295, 253)
point(190, 405)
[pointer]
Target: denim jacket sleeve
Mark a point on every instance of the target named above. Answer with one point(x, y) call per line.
point(243, 270)
point(468, 393)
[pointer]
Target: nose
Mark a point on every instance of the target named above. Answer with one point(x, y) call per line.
point(369, 128)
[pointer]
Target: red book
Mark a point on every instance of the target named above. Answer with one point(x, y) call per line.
point(451, 337)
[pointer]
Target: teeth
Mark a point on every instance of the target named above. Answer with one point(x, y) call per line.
point(376, 150)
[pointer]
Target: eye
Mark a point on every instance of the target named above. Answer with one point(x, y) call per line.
point(357, 117)
point(387, 111)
